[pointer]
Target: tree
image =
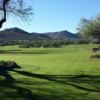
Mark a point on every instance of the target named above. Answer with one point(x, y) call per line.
point(90, 27)
point(21, 8)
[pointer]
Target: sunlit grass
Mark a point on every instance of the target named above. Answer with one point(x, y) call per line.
point(38, 66)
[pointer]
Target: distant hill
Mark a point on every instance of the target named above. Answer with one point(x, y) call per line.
point(13, 33)
point(40, 36)
point(63, 35)
point(19, 34)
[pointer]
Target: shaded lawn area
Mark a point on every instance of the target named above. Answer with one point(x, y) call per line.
point(33, 86)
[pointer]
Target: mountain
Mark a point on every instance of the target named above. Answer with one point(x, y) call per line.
point(40, 36)
point(13, 33)
point(63, 35)
point(19, 34)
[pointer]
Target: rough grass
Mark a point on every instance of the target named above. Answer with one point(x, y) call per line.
point(51, 74)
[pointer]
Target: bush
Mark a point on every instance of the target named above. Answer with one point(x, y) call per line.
point(95, 56)
point(8, 65)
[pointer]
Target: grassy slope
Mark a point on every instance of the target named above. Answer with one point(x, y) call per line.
point(52, 74)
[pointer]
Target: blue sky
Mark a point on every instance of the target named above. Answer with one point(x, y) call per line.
point(56, 15)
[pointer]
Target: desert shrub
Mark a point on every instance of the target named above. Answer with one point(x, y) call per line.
point(55, 45)
point(95, 56)
point(8, 65)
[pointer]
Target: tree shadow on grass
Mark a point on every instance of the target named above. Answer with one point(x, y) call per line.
point(72, 80)
point(20, 91)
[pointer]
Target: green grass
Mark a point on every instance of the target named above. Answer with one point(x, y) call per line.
point(51, 74)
